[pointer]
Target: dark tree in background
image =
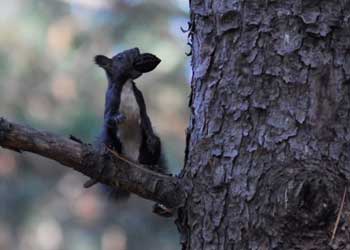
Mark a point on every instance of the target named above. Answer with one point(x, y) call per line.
point(268, 154)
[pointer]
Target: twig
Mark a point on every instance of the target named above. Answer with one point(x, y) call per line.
point(338, 216)
point(116, 154)
point(93, 182)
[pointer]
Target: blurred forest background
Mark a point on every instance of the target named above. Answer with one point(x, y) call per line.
point(49, 81)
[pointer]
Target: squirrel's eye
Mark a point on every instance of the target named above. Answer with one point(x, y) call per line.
point(119, 57)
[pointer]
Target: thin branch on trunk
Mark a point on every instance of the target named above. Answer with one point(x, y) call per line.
point(84, 158)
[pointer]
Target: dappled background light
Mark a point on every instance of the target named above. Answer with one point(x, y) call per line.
point(48, 80)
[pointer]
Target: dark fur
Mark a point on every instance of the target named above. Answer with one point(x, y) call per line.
point(119, 70)
point(150, 149)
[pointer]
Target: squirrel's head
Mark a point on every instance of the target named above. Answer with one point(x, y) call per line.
point(127, 64)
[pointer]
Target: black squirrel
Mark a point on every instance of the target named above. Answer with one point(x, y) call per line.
point(127, 128)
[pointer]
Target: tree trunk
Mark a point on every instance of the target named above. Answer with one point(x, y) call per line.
point(268, 157)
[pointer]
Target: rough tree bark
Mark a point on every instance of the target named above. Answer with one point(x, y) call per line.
point(268, 154)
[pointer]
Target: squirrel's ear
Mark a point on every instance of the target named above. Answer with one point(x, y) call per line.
point(146, 62)
point(103, 61)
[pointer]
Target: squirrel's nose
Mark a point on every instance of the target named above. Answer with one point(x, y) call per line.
point(146, 62)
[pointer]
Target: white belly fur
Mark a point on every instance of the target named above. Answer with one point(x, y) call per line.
point(129, 131)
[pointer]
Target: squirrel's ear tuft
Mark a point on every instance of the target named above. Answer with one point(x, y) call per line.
point(146, 62)
point(102, 61)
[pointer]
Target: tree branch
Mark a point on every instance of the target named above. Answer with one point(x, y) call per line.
point(87, 160)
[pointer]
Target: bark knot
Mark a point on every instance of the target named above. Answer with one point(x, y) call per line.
point(305, 196)
point(312, 204)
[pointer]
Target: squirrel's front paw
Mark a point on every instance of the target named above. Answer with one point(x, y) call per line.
point(116, 119)
point(119, 118)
